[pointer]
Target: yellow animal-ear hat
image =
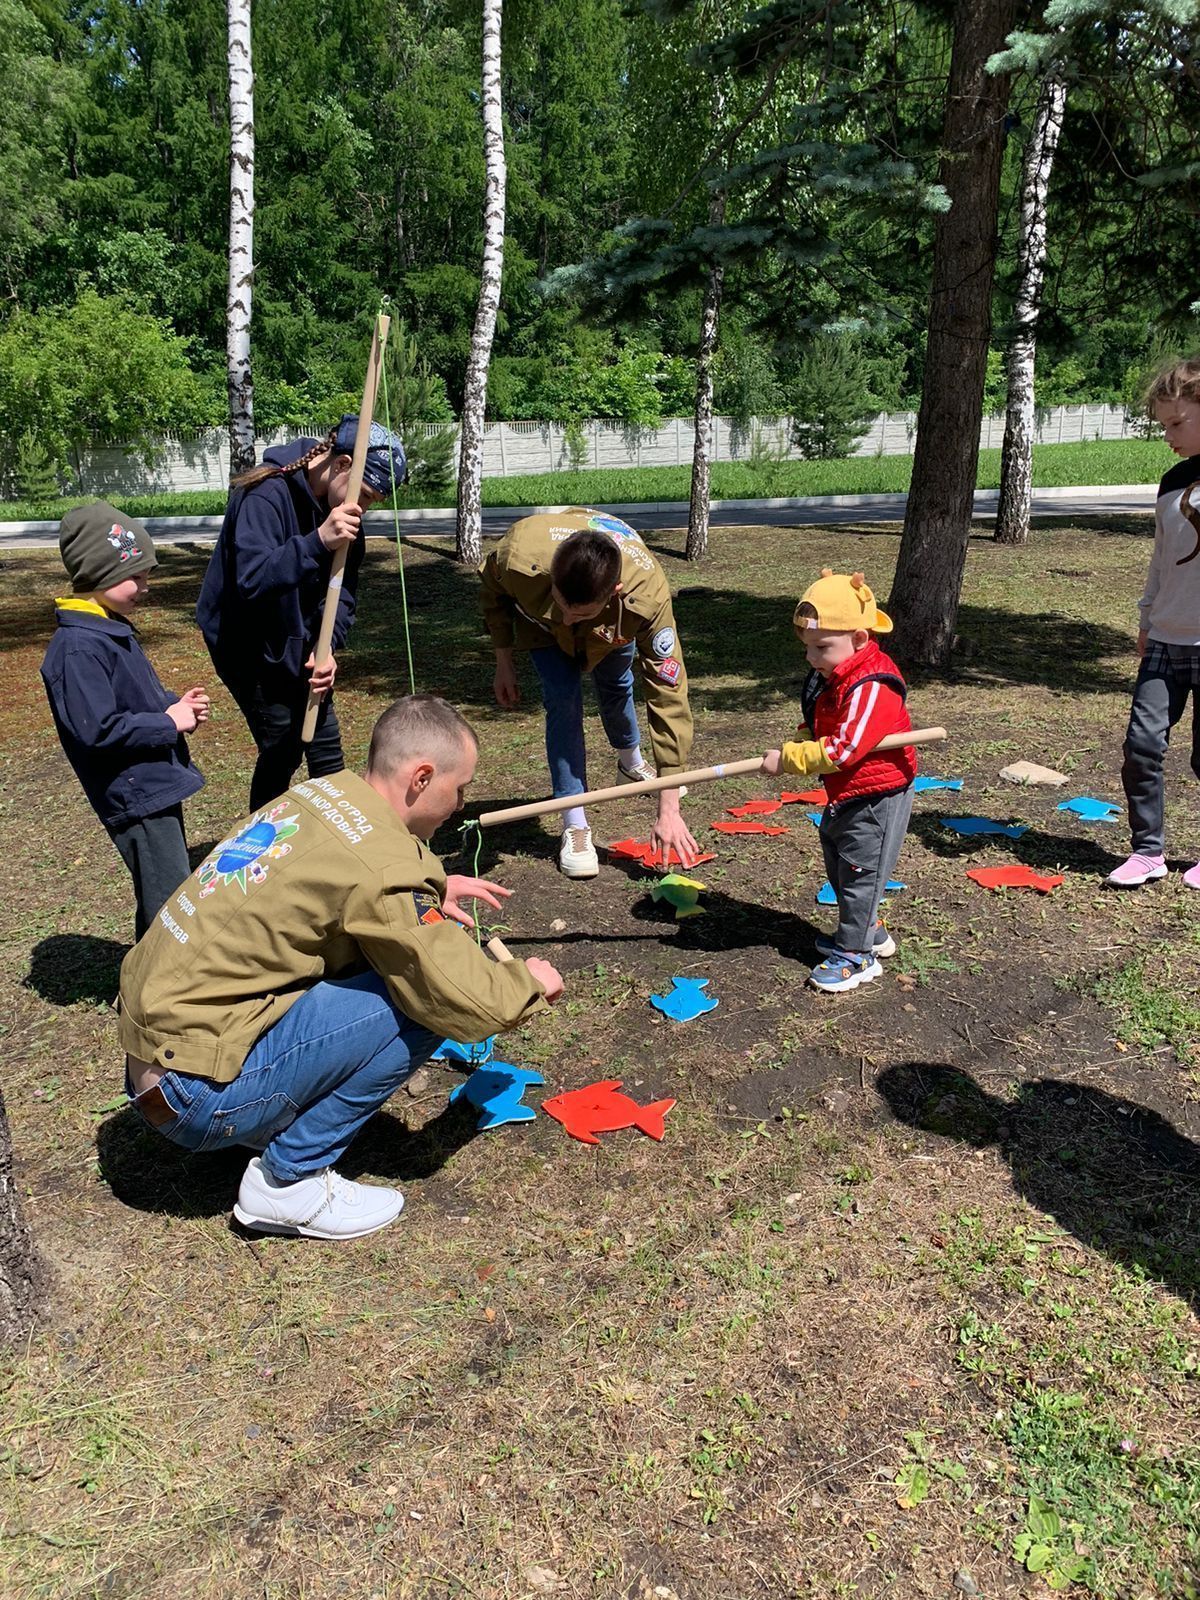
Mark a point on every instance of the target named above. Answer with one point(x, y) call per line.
point(843, 604)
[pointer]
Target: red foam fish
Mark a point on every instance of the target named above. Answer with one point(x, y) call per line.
point(1015, 877)
point(755, 808)
point(748, 827)
point(808, 797)
point(599, 1108)
point(642, 850)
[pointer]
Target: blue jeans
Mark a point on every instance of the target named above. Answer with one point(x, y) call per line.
point(309, 1084)
point(561, 677)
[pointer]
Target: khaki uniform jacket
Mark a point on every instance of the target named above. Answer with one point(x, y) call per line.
point(325, 884)
point(520, 614)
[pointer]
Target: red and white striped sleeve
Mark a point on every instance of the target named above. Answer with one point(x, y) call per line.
point(874, 710)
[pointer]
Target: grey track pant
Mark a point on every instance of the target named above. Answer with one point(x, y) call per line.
point(155, 851)
point(1159, 700)
point(861, 841)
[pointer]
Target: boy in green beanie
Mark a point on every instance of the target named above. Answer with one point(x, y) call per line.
point(120, 729)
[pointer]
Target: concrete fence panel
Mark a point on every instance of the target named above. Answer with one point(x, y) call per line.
point(201, 461)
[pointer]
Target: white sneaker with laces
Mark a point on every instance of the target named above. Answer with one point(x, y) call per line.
point(577, 856)
point(319, 1206)
point(642, 773)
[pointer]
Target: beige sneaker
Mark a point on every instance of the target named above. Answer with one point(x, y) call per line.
point(642, 773)
point(577, 856)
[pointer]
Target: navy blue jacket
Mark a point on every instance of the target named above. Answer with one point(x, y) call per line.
point(110, 712)
point(263, 594)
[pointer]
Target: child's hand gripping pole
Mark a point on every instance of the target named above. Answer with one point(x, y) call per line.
point(358, 461)
point(623, 791)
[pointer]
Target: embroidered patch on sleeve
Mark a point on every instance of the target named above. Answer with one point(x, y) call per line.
point(669, 670)
point(663, 642)
point(428, 908)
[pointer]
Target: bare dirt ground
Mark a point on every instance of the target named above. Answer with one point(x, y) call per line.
point(904, 1305)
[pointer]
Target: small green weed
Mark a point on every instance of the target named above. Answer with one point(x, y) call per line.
point(1153, 1000)
point(1099, 1508)
point(918, 958)
point(1045, 1546)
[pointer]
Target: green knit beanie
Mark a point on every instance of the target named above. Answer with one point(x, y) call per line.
point(101, 546)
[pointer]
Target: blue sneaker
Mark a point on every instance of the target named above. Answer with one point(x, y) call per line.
point(884, 945)
point(843, 970)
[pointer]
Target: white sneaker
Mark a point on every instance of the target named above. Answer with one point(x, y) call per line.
point(642, 773)
point(577, 856)
point(320, 1206)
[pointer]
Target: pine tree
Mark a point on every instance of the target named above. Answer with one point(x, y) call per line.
point(34, 475)
point(798, 169)
point(416, 397)
point(831, 406)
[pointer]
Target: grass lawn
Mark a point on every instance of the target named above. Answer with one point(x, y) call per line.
point(904, 1305)
point(1113, 461)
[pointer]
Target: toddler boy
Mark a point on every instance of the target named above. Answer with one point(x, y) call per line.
point(852, 698)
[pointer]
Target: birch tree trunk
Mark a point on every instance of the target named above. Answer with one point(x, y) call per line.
point(710, 319)
point(22, 1275)
point(937, 523)
point(469, 543)
point(1016, 460)
point(239, 377)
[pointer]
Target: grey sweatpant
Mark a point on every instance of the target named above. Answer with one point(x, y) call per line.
point(155, 851)
point(1168, 674)
point(861, 841)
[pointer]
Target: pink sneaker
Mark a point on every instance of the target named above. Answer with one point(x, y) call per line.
point(1140, 869)
point(1192, 876)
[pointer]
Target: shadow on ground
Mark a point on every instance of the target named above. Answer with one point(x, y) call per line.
point(739, 647)
point(1119, 1177)
point(1037, 848)
point(147, 1173)
point(69, 967)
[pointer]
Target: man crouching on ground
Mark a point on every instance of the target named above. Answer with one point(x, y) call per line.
point(309, 966)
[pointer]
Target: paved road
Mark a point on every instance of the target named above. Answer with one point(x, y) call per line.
point(1084, 502)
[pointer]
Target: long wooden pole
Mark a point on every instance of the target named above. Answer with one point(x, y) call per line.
point(623, 791)
point(358, 461)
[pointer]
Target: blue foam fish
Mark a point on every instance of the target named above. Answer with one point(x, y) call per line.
point(826, 896)
point(497, 1092)
point(814, 817)
point(686, 1001)
point(922, 784)
point(471, 1055)
point(1091, 810)
point(975, 825)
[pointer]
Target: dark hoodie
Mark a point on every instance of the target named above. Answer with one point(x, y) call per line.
point(263, 595)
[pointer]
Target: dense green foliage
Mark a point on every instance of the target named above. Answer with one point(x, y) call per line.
point(820, 119)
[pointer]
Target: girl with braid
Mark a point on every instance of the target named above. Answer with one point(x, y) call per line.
point(263, 595)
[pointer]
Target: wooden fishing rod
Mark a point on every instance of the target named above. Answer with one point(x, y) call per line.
point(624, 791)
point(358, 461)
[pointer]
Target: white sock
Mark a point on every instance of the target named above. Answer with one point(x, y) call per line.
point(576, 817)
point(630, 758)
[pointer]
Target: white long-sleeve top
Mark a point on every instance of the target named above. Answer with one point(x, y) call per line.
point(1170, 604)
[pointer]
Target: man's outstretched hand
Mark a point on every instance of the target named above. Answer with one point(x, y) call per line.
point(460, 888)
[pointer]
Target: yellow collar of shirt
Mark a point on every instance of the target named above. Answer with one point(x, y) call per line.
point(92, 607)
